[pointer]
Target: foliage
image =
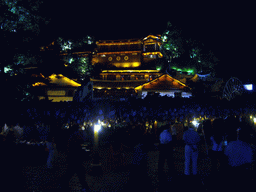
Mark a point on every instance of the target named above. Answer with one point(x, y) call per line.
point(172, 42)
point(20, 22)
point(74, 44)
point(186, 55)
point(20, 15)
point(19, 88)
point(80, 64)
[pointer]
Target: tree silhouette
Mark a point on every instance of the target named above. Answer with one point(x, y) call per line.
point(186, 55)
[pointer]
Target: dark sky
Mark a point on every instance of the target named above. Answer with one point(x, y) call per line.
point(228, 29)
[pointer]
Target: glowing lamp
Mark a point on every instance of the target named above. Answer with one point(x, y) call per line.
point(248, 87)
point(254, 119)
point(195, 123)
point(97, 127)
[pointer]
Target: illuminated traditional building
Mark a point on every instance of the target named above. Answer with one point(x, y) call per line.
point(165, 85)
point(126, 65)
point(59, 88)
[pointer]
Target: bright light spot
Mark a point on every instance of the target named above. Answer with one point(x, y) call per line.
point(195, 123)
point(97, 127)
point(254, 119)
point(71, 60)
point(6, 69)
point(67, 45)
point(248, 87)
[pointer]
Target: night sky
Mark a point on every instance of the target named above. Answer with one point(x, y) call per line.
point(228, 29)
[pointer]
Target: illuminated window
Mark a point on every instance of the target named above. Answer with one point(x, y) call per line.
point(139, 77)
point(150, 47)
point(111, 77)
point(61, 92)
point(125, 77)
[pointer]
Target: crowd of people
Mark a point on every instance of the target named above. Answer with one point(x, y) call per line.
point(228, 143)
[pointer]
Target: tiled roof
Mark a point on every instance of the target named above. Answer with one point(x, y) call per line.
point(164, 82)
point(59, 81)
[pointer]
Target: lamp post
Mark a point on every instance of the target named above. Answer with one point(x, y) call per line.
point(96, 165)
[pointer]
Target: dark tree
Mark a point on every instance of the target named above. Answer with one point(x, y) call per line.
point(186, 55)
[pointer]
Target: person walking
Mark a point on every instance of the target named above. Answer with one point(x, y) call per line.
point(75, 158)
point(18, 131)
point(11, 167)
point(165, 149)
point(139, 178)
point(207, 131)
point(174, 134)
point(232, 125)
point(191, 139)
point(240, 156)
point(51, 146)
point(165, 154)
point(216, 153)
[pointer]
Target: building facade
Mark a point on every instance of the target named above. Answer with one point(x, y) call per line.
point(59, 88)
point(126, 64)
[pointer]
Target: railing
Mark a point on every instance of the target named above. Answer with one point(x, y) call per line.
point(139, 80)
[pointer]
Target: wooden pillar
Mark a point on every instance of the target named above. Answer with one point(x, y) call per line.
point(155, 130)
